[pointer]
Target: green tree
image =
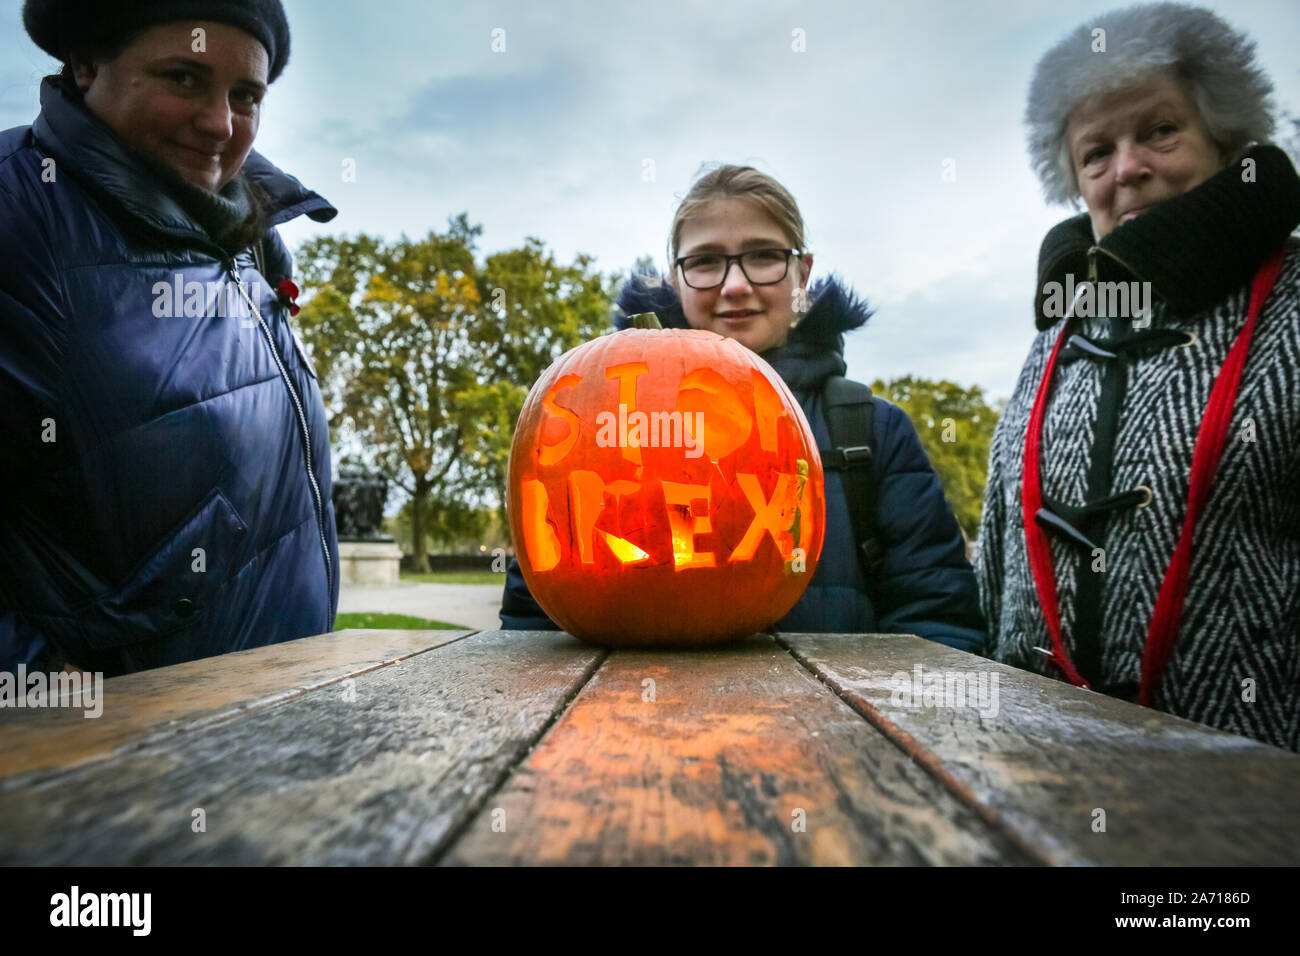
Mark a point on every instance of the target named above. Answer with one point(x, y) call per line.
point(455, 530)
point(956, 426)
point(425, 354)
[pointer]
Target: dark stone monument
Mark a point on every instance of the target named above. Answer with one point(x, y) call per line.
point(366, 554)
point(359, 498)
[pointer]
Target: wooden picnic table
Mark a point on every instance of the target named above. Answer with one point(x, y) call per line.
point(513, 747)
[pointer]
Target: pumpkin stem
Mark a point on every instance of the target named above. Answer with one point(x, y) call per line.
point(643, 320)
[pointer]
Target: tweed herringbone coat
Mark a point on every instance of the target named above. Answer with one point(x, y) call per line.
point(1235, 663)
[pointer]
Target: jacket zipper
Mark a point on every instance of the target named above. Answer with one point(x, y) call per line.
point(1092, 263)
point(302, 420)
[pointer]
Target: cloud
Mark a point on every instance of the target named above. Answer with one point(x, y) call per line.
point(19, 98)
point(494, 107)
point(551, 137)
point(962, 328)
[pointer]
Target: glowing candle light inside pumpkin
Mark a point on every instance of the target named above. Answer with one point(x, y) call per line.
point(587, 499)
point(540, 539)
point(562, 426)
point(686, 524)
point(627, 374)
point(679, 454)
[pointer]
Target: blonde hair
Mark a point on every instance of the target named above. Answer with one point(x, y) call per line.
point(738, 182)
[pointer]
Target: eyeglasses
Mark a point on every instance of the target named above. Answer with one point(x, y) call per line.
point(760, 266)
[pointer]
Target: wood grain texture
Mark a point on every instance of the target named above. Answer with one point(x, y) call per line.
point(1174, 792)
point(382, 778)
point(713, 771)
point(153, 703)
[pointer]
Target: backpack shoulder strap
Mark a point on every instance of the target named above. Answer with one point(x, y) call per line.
point(850, 414)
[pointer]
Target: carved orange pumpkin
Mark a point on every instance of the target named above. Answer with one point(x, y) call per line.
point(664, 488)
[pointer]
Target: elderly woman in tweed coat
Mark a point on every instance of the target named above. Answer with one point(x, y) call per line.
point(1141, 531)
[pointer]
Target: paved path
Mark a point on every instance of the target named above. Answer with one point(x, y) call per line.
point(469, 605)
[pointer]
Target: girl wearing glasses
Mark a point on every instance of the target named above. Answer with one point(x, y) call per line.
point(739, 269)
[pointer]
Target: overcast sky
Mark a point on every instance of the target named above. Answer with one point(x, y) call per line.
point(553, 137)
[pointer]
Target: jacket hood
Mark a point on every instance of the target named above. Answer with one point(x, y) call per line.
point(1195, 248)
point(91, 153)
point(833, 309)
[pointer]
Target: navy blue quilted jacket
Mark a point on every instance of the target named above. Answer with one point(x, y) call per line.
point(164, 481)
point(924, 585)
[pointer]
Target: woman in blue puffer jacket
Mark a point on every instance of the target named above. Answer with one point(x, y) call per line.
point(739, 270)
point(164, 450)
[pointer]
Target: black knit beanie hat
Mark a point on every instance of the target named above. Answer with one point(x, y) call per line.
point(58, 26)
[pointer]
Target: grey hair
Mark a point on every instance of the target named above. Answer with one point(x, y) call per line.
point(1214, 63)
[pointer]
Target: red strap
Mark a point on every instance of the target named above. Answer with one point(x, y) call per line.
point(1205, 462)
point(1210, 440)
point(1031, 498)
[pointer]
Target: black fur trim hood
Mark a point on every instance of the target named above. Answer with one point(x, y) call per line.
point(833, 309)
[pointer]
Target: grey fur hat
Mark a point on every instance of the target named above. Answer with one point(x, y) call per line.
point(1121, 49)
point(58, 26)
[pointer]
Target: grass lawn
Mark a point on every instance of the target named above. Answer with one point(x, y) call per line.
point(459, 577)
point(393, 621)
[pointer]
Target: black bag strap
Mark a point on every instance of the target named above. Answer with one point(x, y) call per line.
point(850, 414)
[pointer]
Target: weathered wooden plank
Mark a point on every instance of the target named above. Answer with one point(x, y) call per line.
point(1045, 757)
point(152, 703)
point(738, 745)
point(378, 771)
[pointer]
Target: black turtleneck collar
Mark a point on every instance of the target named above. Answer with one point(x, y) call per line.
point(1194, 249)
point(158, 198)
